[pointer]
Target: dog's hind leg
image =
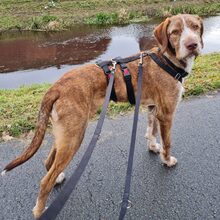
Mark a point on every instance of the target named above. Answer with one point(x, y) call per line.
point(152, 129)
point(165, 132)
point(49, 161)
point(67, 144)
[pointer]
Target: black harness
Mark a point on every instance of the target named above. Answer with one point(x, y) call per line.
point(106, 66)
point(165, 64)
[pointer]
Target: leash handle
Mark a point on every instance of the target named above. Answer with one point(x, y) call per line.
point(125, 200)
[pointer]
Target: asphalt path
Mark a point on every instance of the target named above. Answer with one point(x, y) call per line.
point(191, 190)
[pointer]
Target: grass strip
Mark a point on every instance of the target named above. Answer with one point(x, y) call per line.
point(19, 107)
point(58, 15)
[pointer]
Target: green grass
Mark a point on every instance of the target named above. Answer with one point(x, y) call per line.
point(19, 107)
point(41, 22)
point(30, 15)
point(7, 22)
point(103, 19)
point(206, 75)
point(191, 8)
point(115, 18)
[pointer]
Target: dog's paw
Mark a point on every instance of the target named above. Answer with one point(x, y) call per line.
point(3, 173)
point(154, 147)
point(36, 212)
point(60, 178)
point(172, 161)
point(147, 135)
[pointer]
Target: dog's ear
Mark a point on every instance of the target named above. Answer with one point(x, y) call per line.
point(201, 33)
point(201, 30)
point(160, 32)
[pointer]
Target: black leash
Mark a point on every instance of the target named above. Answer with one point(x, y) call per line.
point(56, 206)
point(125, 200)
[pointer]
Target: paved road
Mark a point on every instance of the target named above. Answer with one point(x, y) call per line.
point(191, 190)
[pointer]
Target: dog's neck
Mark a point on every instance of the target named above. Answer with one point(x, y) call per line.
point(186, 64)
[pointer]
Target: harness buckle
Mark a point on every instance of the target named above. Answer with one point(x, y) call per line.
point(124, 69)
point(178, 76)
point(126, 72)
point(114, 64)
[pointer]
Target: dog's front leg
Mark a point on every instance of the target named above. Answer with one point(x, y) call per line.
point(165, 131)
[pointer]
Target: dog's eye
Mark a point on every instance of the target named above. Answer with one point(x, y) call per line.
point(195, 27)
point(175, 32)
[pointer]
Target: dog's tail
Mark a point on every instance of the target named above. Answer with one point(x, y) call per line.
point(46, 107)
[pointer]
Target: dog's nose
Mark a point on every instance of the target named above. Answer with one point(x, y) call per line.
point(191, 46)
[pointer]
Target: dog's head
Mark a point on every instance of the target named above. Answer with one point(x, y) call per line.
point(180, 35)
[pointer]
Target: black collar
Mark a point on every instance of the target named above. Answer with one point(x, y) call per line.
point(170, 67)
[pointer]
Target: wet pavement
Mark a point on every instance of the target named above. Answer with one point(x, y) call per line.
point(191, 190)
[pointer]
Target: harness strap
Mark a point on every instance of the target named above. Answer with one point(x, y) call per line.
point(56, 206)
point(129, 87)
point(107, 71)
point(125, 200)
point(174, 71)
point(105, 66)
point(131, 58)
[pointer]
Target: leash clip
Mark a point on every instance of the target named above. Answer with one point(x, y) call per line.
point(113, 67)
point(141, 59)
point(114, 64)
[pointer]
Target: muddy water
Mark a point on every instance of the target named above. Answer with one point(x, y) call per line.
point(28, 58)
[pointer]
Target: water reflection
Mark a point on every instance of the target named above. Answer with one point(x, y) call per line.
point(212, 35)
point(40, 50)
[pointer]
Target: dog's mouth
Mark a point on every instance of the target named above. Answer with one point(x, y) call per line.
point(194, 53)
point(190, 54)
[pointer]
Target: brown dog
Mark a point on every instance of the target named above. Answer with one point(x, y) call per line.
point(76, 97)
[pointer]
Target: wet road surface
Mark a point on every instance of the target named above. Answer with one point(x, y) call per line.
point(191, 190)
